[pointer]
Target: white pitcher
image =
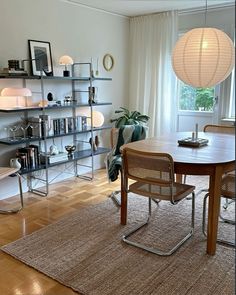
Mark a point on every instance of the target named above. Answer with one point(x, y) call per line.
point(14, 163)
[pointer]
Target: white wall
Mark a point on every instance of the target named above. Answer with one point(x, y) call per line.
point(73, 30)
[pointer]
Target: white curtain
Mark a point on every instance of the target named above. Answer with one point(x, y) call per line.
point(152, 80)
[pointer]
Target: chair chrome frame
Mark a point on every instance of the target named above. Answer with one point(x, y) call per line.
point(126, 176)
point(155, 250)
point(10, 211)
point(221, 241)
point(113, 195)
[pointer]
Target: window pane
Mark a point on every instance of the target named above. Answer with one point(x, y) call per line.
point(195, 99)
point(232, 96)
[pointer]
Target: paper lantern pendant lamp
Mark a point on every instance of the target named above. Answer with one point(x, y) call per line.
point(203, 57)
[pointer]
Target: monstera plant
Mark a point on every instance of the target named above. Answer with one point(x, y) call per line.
point(127, 117)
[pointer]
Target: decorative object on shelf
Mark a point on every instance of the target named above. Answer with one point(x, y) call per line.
point(50, 96)
point(14, 130)
point(97, 142)
point(43, 103)
point(93, 92)
point(47, 73)
point(93, 144)
point(68, 99)
point(108, 62)
point(53, 149)
point(127, 117)
point(14, 163)
point(41, 58)
point(70, 149)
point(97, 72)
point(203, 57)
point(13, 64)
point(66, 60)
point(17, 92)
point(12, 72)
point(97, 118)
point(91, 68)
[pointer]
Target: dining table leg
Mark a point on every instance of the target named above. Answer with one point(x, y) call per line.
point(213, 209)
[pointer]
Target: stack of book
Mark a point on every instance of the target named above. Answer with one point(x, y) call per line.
point(53, 158)
point(28, 156)
point(12, 72)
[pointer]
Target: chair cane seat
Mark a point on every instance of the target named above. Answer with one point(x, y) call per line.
point(8, 171)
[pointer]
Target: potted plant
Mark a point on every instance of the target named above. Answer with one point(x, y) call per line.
point(127, 117)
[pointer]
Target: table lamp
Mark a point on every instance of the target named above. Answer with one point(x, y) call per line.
point(17, 92)
point(97, 119)
point(66, 60)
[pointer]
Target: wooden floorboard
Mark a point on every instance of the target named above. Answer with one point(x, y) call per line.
point(67, 196)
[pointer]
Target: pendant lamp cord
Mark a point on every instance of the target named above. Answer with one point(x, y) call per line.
point(206, 14)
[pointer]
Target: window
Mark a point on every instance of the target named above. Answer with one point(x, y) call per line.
point(196, 99)
point(232, 96)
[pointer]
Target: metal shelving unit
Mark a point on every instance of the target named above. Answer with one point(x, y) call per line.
point(77, 155)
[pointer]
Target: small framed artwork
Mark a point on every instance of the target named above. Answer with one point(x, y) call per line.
point(41, 58)
point(108, 62)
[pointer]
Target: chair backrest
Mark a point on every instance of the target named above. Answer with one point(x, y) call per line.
point(152, 168)
point(126, 134)
point(228, 186)
point(114, 136)
point(219, 128)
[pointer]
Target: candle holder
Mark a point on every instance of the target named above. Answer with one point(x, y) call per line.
point(70, 149)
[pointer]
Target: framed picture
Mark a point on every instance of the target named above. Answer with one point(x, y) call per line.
point(41, 58)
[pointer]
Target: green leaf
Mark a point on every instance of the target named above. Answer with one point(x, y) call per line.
point(125, 111)
point(130, 122)
point(120, 122)
point(134, 114)
point(143, 118)
point(113, 120)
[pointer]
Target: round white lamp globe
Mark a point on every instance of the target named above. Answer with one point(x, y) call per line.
point(203, 57)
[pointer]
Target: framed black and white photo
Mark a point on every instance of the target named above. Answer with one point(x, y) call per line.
point(41, 58)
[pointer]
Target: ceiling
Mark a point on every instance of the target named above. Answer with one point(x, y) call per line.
point(134, 8)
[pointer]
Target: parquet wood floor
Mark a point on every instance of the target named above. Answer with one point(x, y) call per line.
point(64, 197)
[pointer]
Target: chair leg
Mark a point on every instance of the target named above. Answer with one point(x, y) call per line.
point(155, 250)
point(221, 241)
point(114, 198)
point(118, 203)
point(225, 206)
point(10, 211)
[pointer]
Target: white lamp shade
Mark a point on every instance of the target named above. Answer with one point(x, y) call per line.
point(203, 57)
point(66, 60)
point(16, 92)
point(98, 118)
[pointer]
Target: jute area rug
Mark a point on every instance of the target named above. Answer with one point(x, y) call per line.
point(84, 251)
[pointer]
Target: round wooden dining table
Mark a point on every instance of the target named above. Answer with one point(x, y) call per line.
point(213, 159)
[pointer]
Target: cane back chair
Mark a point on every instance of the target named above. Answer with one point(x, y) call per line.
point(8, 171)
point(227, 192)
point(153, 176)
point(225, 129)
